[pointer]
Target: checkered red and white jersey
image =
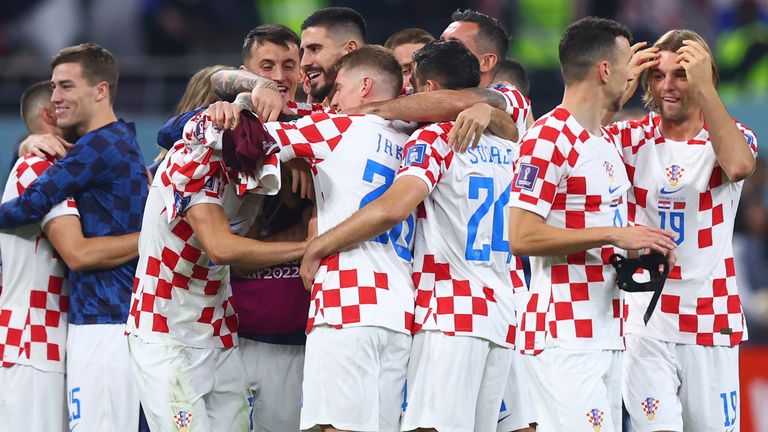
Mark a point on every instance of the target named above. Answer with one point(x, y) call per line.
point(679, 186)
point(179, 295)
point(354, 159)
point(304, 109)
point(518, 106)
point(34, 302)
point(462, 260)
point(574, 180)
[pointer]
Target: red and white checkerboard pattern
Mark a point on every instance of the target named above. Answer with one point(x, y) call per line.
point(302, 109)
point(518, 106)
point(457, 295)
point(179, 295)
point(573, 297)
point(700, 303)
point(34, 302)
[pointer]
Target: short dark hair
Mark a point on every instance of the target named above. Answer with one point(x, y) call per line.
point(377, 58)
point(337, 18)
point(96, 62)
point(512, 71)
point(277, 34)
point(33, 97)
point(408, 36)
point(586, 42)
point(449, 63)
point(492, 34)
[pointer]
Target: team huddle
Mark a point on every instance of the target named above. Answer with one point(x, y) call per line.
point(351, 261)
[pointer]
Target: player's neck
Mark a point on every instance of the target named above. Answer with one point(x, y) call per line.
point(682, 129)
point(101, 118)
point(585, 105)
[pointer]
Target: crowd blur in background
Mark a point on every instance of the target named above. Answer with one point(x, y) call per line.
point(161, 43)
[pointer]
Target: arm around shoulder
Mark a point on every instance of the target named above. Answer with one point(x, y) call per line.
point(83, 254)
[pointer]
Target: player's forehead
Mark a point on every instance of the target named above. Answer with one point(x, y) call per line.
point(317, 35)
point(667, 62)
point(67, 72)
point(462, 31)
point(275, 52)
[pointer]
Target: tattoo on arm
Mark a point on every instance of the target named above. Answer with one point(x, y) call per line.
point(492, 98)
point(244, 100)
point(229, 83)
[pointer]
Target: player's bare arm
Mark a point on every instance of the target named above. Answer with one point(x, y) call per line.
point(731, 149)
point(211, 226)
point(399, 201)
point(83, 254)
point(267, 101)
point(434, 106)
point(529, 235)
point(471, 123)
point(41, 145)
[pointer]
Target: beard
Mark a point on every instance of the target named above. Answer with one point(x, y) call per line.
point(616, 104)
point(320, 91)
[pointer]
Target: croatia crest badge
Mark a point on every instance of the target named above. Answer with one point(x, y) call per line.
point(183, 419)
point(609, 170)
point(674, 174)
point(650, 407)
point(595, 417)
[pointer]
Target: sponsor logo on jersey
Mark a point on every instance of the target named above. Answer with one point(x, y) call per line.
point(595, 417)
point(610, 171)
point(183, 420)
point(674, 174)
point(415, 155)
point(612, 189)
point(650, 407)
point(526, 176)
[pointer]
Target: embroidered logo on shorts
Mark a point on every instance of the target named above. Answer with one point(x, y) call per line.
point(526, 177)
point(416, 154)
point(650, 407)
point(595, 417)
point(183, 420)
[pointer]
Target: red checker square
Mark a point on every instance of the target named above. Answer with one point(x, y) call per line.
point(381, 280)
point(579, 258)
point(733, 304)
point(574, 220)
point(511, 334)
point(560, 274)
point(38, 299)
point(199, 272)
point(489, 294)
point(592, 203)
point(675, 273)
point(736, 338)
point(212, 287)
point(5, 317)
point(331, 298)
point(705, 306)
point(576, 185)
point(548, 191)
point(190, 253)
point(13, 337)
point(55, 284)
point(705, 201)
point(311, 133)
point(445, 305)
point(462, 322)
point(594, 273)
point(350, 314)
point(529, 199)
point(563, 311)
point(53, 352)
point(689, 323)
point(553, 328)
point(206, 316)
point(409, 318)
point(705, 238)
point(164, 289)
point(153, 267)
point(38, 333)
point(549, 133)
point(367, 295)
point(717, 215)
point(479, 306)
point(227, 341)
point(719, 287)
point(560, 201)
point(180, 281)
point(730, 267)
point(147, 302)
point(583, 328)
point(641, 196)
point(331, 262)
point(169, 258)
point(303, 150)
point(579, 292)
point(461, 288)
point(705, 339)
point(52, 318)
point(182, 230)
point(721, 322)
point(159, 323)
point(231, 322)
point(423, 297)
point(347, 278)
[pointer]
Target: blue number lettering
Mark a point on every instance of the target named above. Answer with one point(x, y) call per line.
point(74, 402)
point(498, 242)
point(729, 421)
point(676, 224)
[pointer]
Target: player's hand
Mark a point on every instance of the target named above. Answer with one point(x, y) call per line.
point(301, 178)
point(309, 265)
point(224, 115)
point(642, 237)
point(42, 145)
point(697, 62)
point(469, 127)
point(642, 59)
point(267, 101)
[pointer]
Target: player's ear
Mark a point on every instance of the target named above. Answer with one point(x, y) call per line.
point(102, 91)
point(48, 115)
point(366, 86)
point(350, 46)
point(488, 62)
point(431, 86)
point(604, 70)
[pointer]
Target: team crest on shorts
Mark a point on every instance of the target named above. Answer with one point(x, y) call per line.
point(183, 420)
point(595, 417)
point(650, 407)
point(674, 174)
point(609, 170)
